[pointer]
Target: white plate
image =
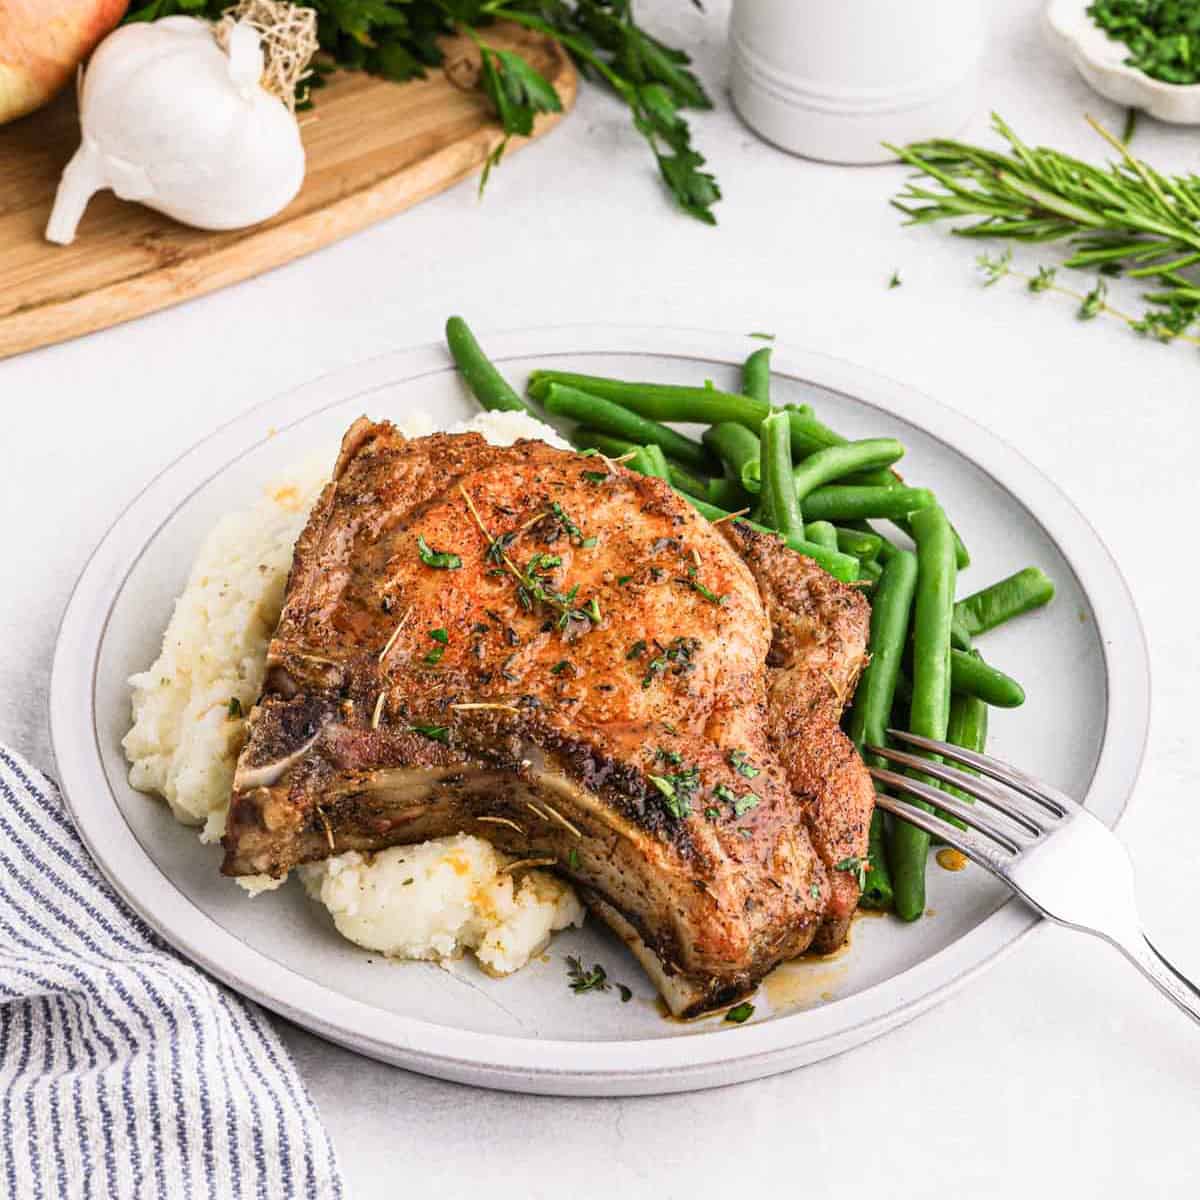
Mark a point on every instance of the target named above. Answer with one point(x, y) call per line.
point(1101, 61)
point(1082, 661)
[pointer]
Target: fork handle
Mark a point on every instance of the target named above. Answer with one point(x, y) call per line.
point(1172, 983)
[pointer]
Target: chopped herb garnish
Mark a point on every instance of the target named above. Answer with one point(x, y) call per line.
point(622, 580)
point(560, 666)
point(694, 582)
point(435, 733)
point(636, 650)
point(595, 980)
point(744, 832)
point(895, 280)
point(762, 337)
point(814, 890)
point(743, 804)
point(740, 1012)
point(858, 867)
point(592, 608)
point(442, 560)
point(678, 790)
point(573, 859)
point(713, 814)
point(435, 655)
point(671, 756)
point(595, 476)
point(440, 635)
point(589, 543)
point(235, 707)
point(740, 762)
point(655, 667)
point(626, 993)
point(677, 657)
point(724, 792)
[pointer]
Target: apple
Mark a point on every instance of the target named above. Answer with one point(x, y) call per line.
point(41, 44)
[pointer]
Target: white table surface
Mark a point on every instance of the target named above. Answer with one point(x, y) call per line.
point(1060, 1068)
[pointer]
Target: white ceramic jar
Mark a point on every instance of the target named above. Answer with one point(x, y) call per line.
point(833, 79)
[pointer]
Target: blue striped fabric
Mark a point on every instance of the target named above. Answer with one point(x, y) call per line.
point(124, 1070)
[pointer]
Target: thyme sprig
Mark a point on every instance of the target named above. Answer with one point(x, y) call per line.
point(1123, 218)
point(533, 586)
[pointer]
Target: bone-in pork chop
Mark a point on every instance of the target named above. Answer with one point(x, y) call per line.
point(528, 645)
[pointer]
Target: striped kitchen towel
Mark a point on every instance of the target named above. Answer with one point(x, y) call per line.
point(124, 1070)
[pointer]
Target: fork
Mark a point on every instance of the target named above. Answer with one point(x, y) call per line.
point(1051, 851)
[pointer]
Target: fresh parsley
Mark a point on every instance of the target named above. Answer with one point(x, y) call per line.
point(442, 560)
point(435, 733)
point(582, 980)
point(740, 1013)
point(696, 585)
point(235, 707)
point(678, 790)
point(400, 40)
point(743, 804)
point(740, 762)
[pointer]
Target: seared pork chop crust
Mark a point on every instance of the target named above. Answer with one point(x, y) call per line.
point(526, 645)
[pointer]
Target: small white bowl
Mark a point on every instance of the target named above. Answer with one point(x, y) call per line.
point(1101, 61)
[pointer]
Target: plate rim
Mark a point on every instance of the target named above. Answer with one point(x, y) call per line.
point(555, 1065)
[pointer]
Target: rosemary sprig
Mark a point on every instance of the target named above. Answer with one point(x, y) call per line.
point(1124, 218)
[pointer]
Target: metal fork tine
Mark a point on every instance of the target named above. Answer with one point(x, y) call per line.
point(1048, 797)
point(982, 789)
point(977, 849)
point(971, 816)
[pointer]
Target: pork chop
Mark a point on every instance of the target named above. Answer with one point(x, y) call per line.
point(560, 656)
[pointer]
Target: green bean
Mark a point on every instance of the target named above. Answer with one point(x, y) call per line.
point(487, 385)
point(736, 447)
point(968, 728)
point(887, 549)
point(756, 375)
point(781, 508)
point(864, 545)
point(726, 494)
point(840, 566)
point(615, 447)
point(1019, 593)
point(890, 609)
point(837, 503)
point(971, 676)
point(962, 557)
point(655, 461)
point(659, 401)
point(869, 570)
point(824, 534)
point(832, 463)
point(607, 417)
point(877, 892)
point(960, 639)
point(640, 462)
point(930, 709)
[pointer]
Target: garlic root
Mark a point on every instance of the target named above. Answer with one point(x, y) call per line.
point(83, 177)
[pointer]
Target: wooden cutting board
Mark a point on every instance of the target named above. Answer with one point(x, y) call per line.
point(374, 148)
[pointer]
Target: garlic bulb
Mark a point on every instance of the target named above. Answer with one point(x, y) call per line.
point(174, 121)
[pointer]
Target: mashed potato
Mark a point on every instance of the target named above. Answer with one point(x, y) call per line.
point(420, 902)
point(434, 900)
